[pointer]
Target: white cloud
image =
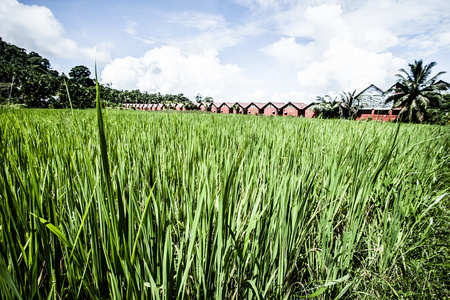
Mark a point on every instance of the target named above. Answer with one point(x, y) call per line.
point(288, 51)
point(35, 27)
point(131, 28)
point(293, 96)
point(317, 46)
point(212, 32)
point(347, 67)
point(169, 71)
point(200, 21)
point(256, 95)
point(265, 4)
point(341, 50)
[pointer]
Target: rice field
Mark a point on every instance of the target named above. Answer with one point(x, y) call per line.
point(170, 205)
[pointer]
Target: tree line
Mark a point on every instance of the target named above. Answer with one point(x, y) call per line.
point(28, 79)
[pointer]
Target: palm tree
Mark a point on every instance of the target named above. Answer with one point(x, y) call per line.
point(416, 92)
point(328, 107)
point(351, 103)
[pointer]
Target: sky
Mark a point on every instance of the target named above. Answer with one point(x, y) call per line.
point(235, 50)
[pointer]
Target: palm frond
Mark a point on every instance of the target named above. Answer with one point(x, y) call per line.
point(418, 91)
point(433, 79)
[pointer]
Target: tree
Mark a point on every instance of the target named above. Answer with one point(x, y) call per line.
point(38, 62)
point(351, 104)
point(80, 74)
point(328, 107)
point(439, 115)
point(198, 98)
point(417, 91)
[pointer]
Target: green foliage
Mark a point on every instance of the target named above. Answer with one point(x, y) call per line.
point(439, 114)
point(417, 91)
point(37, 85)
point(350, 105)
point(328, 108)
point(169, 205)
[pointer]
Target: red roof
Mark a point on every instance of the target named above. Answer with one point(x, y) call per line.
point(298, 105)
point(276, 104)
point(257, 104)
point(243, 104)
point(229, 104)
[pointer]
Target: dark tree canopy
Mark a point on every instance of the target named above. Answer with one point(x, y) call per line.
point(29, 79)
point(79, 72)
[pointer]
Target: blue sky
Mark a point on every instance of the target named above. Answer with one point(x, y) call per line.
point(235, 50)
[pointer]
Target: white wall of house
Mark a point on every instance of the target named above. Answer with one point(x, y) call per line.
point(374, 97)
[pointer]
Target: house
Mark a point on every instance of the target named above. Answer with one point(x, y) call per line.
point(240, 108)
point(273, 108)
point(226, 108)
point(373, 96)
point(255, 108)
point(203, 106)
point(378, 114)
point(215, 108)
point(445, 85)
point(295, 109)
point(308, 110)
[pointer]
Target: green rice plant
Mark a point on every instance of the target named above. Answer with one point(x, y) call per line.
point(138, 205)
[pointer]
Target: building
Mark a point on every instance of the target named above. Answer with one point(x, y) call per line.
point(255, 108)
point(203, 106)
point(378, 114)
point(373, 96)
point(215, 108)
point(240, 108)
point(445, 87)
point(309, 112)
point(273, 108)
point(226, 108)
point(295, 109)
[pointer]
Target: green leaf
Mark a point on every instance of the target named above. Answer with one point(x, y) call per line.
point(318, 292)
point(6, 277)
point(55, 231)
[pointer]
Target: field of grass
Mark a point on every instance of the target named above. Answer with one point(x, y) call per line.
point(205, 206)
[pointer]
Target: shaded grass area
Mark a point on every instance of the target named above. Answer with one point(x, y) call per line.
point(201, 206)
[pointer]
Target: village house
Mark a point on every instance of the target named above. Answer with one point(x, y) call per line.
point(226, 108)
point(273, 108)
point(256, 108)
point(295, 109)
point(372, 99)
point(203, 106)
point(215, 108)
point(378, 114)
point(240, 108)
